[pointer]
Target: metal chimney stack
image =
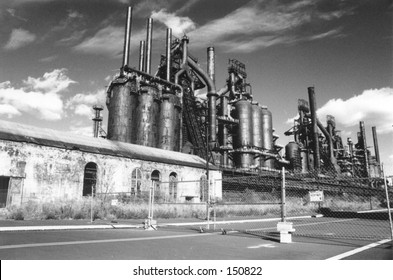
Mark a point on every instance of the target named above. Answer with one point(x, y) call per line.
point(97, 119)
point(376, 147)
point(149, 38)
point(127, 38)
point(314, 125)
point(364, 143)
point(168, 53)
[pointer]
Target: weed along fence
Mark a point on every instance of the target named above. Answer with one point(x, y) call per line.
point(316, 206)
point(262, 205)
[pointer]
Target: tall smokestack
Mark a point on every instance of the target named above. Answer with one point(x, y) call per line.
point(314, 124)
point(376, 148)
point(142, 56)
point(149, 38)
point(364, 143)
point(168, 53)
point(127, 38)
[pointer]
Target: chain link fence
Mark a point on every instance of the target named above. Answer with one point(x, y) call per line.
point(320, 205)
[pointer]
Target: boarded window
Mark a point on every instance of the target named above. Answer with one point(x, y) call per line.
point(90, 179)
point(173, 185)
point(4, 183)
point(155, 177)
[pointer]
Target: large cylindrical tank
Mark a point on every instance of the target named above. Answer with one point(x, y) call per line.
point(169, 123)
point(292, 154)
point(146, 117)
point(121, 104)
point(257, 130)
point(243, 137)
point(267, 136)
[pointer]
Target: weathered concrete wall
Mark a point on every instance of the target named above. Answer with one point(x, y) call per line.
point(44, 173)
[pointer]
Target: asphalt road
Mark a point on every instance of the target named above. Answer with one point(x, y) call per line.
point(175, 244)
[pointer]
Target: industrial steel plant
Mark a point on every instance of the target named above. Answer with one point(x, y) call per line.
point(225, 134)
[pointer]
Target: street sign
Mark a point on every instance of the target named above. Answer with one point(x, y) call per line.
point(316, 196)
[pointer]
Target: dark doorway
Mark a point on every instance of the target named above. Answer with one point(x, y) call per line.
point(90, 179)
point(4, 183)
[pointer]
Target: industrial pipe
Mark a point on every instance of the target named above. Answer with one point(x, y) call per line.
point(376, 148)
point(168, 53)
point(149, 38)
point(364, 143)
point(142, 56)
point(328, 136)
point(127, 38)
point(211, 64)
point(212, 96)
point(313, 111)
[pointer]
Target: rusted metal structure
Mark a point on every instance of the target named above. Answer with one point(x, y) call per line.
point(227, 127)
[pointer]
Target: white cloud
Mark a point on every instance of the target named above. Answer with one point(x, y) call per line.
point(373, 106)
point(39, 97)
point(81, 104)
point(179, 25)
point(259, 24)
point(19, 38)
point(109, 41)
point(9, 110)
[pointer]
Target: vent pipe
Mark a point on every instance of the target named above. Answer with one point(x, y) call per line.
point(127, 38)
point(314, 124)
point(376, 148)
point(149, 38)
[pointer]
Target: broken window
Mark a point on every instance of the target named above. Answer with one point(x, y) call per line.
point(4, 183)
point(173, 185)
point(155, 177)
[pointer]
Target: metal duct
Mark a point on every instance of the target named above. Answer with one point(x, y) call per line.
point(328, 136)
point(149, 38)
point(243, 139)
point(127, 38)
point(376, 147)
point(314, 125)
point(212, 96)
point(168, 53)
point(364, 143)
point(142, 56)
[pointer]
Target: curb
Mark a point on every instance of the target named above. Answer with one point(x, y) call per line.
point(125, 226)
point(76, 227)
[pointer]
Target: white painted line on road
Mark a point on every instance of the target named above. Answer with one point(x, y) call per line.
point(5, 247)
point(305, 224)
point(63, 227)
point(262, 246)
point(358, 250)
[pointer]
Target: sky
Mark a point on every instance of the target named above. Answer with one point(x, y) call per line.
point(58, 56)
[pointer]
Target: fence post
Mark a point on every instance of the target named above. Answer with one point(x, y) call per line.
point(388, 206)
point(283, 207)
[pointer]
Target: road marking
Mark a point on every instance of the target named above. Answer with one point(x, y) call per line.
point(262, 246)
point(99, 241)
point(358, 250)
point(304, 224)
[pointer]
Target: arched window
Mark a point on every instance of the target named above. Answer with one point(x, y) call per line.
point(173, 185)
point(155, 177)
point(136, 182)
point(90, 179)
point(203, 189)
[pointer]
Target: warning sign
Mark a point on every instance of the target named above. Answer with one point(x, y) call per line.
point(316, 196)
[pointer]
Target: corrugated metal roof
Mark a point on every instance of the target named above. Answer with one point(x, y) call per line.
point(60, 139)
